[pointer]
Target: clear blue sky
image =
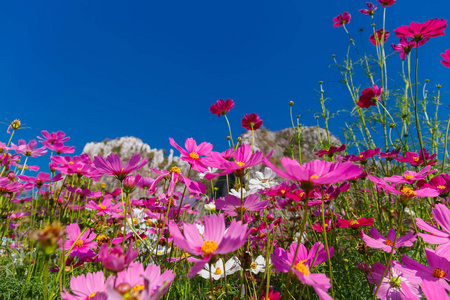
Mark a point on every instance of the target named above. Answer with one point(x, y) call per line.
point(151, 69)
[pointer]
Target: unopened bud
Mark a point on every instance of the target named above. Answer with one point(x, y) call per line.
point(291, 103)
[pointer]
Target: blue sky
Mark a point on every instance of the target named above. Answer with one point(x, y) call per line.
point(151, 69)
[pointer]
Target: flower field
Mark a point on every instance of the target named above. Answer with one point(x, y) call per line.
point(366, 219)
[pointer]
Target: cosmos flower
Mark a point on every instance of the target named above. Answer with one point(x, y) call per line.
point(371, 8)
point(437, 236)
point(40, 179)
point(113, 165)
point(82, 243)
point(85, 286)
point(232, 205)
point(377, 241)
point(415, 159)
point(262, 181)
point(251, 122)
point(378, 38)
point(218, 269)
point(216, 239)
point(51, 138)
point(342, 223)
point(386, 3)
point(421, 31)
point(193, 153)
point(115, 259)
point(282, 260)
point(410, 176)
point(330, 152)
point(406, 46)
point(221, 107)
point(342, 19)
point(370, 97)
point(28, 149)
point(446, 58)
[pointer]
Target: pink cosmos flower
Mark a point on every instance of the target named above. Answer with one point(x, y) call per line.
point(243, 158)
point(435, 277)
point(51, 138)
point(410, 176)
point(438, 183)
point(437, 236)
point(251, 122)
point(215, 240)
point(342, 19)
point(9, 187)
point(85, 286)
point(59, 148)
point(446, 57)
point(315, 172)
point(331, 151)
point(105, 207)
point(398, 283)
point(377, 241)
point(85, 243)
point(272, 296)
point(114, 259)
point(386, 3)
point(420, 31)
point(370, 96)
point(40, 179)
point(28, 149)
point(389, 155)
point(342, 223)
point(176, 175)
point(364, 156)
point(113, 165)
point(371, 9)
point(282, 260)
point(193, 153)
point(232, 204)
point(406, 46)
point(221, 107)
point(378, 38)
point(417, 159)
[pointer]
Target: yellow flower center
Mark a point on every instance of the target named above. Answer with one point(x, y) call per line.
point(218, 271)
point(441, 187)
point(209, 247)
point(416, 159)
point(326, 197)
point(185, 255)
point(15, 124)
point(102, 207)
point(149, 222)
point(79, 243)
point(91, 295)
point(283, 192)
point(253, 266)
point(408, 192)
point(193, 155)
point(408, 177)
point(138, 287)
point(354, 222)
point(240, 163)
point(361, 155)
point(438, 273)
point(388, 242)
point(313, 177)
point(302, 268)
point(175, 170)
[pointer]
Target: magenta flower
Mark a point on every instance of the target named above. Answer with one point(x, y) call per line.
point(446, 57)
point(40, 179)
point(438, 183)
point(435, 277)
point(105, 207)
point(85, 286)
point(251, 122)
point(51, 138)
point(410, 176)
point(316, 172)
point(371, 8)
point(386, 3)
point(378, 38)
point(193, 152)
point(417, 159)
point(113, 165)
point(370, 96)
point(114, 259)
point(221, 107)
point(377, 241)
point(232, 204)
point(437, 236)
point(6, 186)
point(342, 19)
point(330, 152)
point(28, 149)
point(342, 223)
point(215, 240)
point(398, 283)
point(282, 260)
point(59, 148)
point(406, 46)
point(83, 245)
point(421, 31)
point(243, 158)
point(364, 156)
point(176, 176)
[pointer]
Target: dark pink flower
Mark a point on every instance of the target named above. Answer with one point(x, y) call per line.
point(114, 259)
point(232, 204)
point(113, 165)
point(59, 148)
point(51, 138)
point(370, 96)
point(342, 19)
point(342, 223)
point(420, 31)
point(377, 241)
point(378, 38)
point(386, 3)
point(251, 122)
point(406, 46)
point(410, 176)
point(330, 151)
point(82, 243)
point(446, 57)
point(221, 107)
point(371, 9)
point(417, 159)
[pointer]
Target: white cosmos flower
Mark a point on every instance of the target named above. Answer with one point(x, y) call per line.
point(210, 170)
point(244, 192)
point(258, 265)
point(218, 271)
point(263, 181)
point(210, 206)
